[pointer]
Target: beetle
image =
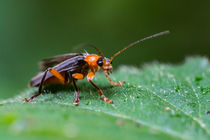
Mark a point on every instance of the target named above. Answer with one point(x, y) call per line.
point(69, 68)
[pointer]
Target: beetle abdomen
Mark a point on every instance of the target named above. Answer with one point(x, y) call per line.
point(73, 65)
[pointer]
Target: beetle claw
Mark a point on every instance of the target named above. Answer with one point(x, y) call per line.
point(76, 102)
point(109, 101)
point(26, 100)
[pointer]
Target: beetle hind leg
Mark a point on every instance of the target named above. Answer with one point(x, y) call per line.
point(40, 88)
point(54, 73)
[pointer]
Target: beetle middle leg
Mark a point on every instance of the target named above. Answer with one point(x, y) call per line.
point(54, 73)
point(76, 101)
point(74, 77)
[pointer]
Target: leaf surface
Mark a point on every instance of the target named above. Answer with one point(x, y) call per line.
point(158, 101)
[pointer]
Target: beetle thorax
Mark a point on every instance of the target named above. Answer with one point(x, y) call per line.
point(92, 61)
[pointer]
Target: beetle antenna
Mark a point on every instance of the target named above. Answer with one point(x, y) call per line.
point(90, 45)
point(138, 41)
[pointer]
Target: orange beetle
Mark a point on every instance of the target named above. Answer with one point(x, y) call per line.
point(68, 68)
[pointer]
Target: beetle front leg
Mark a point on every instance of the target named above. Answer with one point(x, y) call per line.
point(90, 77)
point(101, 93)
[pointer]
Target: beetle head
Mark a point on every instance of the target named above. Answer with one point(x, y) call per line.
point(106, 65)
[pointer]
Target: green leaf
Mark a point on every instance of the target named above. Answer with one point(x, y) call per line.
point(158, 101)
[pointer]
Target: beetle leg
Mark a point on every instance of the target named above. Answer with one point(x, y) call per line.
point(57, 75)
point(76, 101)
point(54, 73)
point(40, 88)
point(76, 76)
point(90, 75)
point(100, 92)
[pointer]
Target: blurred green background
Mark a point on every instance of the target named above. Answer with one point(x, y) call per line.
point(33, 30)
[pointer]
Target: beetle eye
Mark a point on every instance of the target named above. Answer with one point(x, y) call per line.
point(100, 62)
